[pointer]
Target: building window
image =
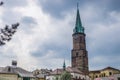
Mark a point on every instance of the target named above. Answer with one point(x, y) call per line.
point(80, 47)
point(96, 76)
point(80, 57)
point(90, 76)
point(104, 75)
point(76, 77)
point(9, 69)
point(118, 78)
point(80, 39)
point(110, 73)
point(79, 78)
point(26, 78)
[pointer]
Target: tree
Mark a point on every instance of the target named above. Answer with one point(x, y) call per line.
point(1, 3)
point(65, 76)
point(57, 77)
point(7, 33)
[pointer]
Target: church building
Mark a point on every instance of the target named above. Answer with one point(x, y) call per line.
point(79, 57)
point(79, 54)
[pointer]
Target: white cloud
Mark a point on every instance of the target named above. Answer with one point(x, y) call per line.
point(47, 30)
point(100, 62)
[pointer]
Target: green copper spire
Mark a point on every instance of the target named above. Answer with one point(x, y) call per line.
point(78, 26)
point(64, 66)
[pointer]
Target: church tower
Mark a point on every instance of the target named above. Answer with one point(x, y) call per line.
point(79, 55)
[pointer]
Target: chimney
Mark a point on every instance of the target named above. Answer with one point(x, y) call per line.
point(14, 63)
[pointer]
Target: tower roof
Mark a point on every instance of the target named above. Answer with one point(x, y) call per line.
point(78, 26)
point(64, 65)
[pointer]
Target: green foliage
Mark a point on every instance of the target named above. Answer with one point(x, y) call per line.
point(65, 76)
point(57, 78)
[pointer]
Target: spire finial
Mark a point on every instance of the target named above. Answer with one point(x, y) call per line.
point(77, 5)
point(78, 26)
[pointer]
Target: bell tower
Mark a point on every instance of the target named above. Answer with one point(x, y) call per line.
point(79, 55)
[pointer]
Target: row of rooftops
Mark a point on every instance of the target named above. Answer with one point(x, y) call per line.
point(68, 69)
point(57, 71)
point(24, 73)
point(15, 70)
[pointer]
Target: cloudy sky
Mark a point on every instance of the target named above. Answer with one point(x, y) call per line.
point(44, 37)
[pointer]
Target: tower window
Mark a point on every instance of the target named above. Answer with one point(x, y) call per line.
point(96, 76)
point(77, 54)
point(80, 39)
point(80, 57)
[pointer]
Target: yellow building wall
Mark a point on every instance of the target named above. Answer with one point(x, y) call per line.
point(94, 75)
point(107, 72)
point(103, 73)
point(8, 77)
point(12, 77)
point(91, 75)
